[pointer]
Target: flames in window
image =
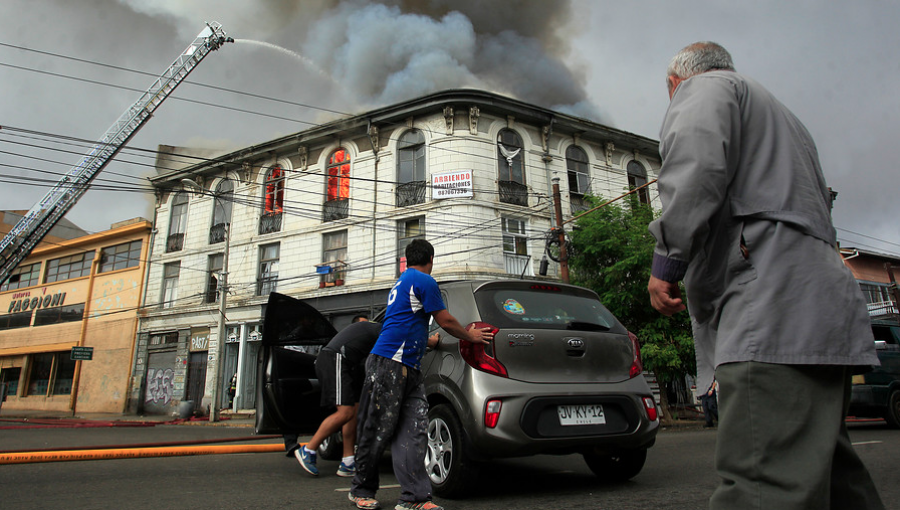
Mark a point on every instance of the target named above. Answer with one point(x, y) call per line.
point(339, 175)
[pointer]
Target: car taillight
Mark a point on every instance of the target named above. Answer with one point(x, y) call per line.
point(650, 405)
point(492, 413)
point(479, 358)
point(637, 368)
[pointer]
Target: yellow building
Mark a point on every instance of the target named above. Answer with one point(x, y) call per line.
point(82, 293)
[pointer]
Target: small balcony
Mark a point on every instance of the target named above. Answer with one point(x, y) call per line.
point(217, 233)
point(512, 192)
point(175, 242)
point(336, 209)
point(411, 193)
point(269, 222)
point(882, 308)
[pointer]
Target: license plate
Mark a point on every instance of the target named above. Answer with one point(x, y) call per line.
point(581, 415)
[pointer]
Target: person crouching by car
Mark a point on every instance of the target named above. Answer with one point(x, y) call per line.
point(340, 368)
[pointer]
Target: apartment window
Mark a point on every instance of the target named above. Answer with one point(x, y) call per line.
point(637, 176)
point(164, 338)
point(10, 377)
point(334, 254)
point(215, 266)
point(512, 168)
point(267, 276)
point(59, 314)
point(579, 175)
point(73, 266)
point(15, 320)
point(407, 230)
point(275, 190)
point(222, 207)
point(23, 276)
point(515, 247)
point(170, 284)
point(120, 256)
point(411, 168)
point(177, 222)
point(51, 374)
point(338, 186)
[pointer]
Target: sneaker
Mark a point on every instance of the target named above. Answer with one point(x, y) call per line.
point(422, 505)
point(364, 503)
point(307, 460)
point(346, 471)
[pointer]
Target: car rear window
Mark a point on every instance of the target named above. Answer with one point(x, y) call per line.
point(541, 306)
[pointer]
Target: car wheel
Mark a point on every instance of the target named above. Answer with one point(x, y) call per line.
point(449, 470)
point(616, 468)
point(892, 413)
point(332, 448)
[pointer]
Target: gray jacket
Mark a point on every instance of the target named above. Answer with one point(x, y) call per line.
point(740, 169)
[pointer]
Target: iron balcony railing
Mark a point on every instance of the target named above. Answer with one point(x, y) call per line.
point(336, 209)
point(411, 193)
point(512, 192)
point(269, 222)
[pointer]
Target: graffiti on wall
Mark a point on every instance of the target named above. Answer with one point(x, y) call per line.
point(160, 385)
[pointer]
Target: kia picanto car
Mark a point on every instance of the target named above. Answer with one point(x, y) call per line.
point(561, 376)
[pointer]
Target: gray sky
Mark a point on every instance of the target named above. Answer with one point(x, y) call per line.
point(831, 64)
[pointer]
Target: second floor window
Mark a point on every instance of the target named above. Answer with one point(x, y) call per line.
point(177, 222)
point(407, 230)
point(267, 275)
point(511, 161)
point(515, 247)
point(274, 201)
point(411, 168)
point(23, 276)
point(215, 265)
point(73, 266)
point(337, 186)
point(170, 284)
point(637, 177)
point(223, 202)
point(120, 256)
point(334, 253)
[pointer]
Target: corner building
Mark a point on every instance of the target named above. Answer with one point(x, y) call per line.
point(325, 214)
point(81, 293)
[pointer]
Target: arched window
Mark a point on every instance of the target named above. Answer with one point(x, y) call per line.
point(177, 222)
point(338, 185)
point(275, 190)
point(223, 202)
point(411, 168)
point(512, 168)
point(637, 177)
point(579, 175)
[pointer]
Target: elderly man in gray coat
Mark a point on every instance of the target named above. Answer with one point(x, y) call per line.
point(777, 317)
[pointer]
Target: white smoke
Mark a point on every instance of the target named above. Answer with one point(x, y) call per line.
point(388, 51)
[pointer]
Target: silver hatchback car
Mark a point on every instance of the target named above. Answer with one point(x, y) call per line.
point(561, 376)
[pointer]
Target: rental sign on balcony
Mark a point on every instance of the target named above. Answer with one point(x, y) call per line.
point(451, 185)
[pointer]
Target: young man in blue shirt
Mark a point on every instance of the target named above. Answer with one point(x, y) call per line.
point(393, 409)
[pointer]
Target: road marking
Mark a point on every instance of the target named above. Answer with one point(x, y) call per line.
point(381, 487)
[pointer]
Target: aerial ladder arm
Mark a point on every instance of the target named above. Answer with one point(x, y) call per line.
point(28, 232)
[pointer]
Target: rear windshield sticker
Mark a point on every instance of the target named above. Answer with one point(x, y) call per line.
point(512, 306)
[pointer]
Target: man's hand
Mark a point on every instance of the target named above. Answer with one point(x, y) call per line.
point(479, 335)
point(665, 296)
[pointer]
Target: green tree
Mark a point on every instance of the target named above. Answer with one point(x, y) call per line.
point(611, 252)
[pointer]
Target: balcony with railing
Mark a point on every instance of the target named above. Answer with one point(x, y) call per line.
point(882, 308)
point(175, 242)
point(518, 264)
point(270, 222)
point(410, 193)
point(217, 233)
point(512, 192)
point(336, 209)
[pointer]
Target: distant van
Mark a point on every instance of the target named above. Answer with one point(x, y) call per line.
point(876, 394)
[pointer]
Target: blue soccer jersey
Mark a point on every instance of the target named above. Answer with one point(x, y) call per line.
point(404, 334)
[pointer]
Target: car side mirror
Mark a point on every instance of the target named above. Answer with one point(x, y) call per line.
point(880, 345)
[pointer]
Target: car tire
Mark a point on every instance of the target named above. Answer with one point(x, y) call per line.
point(616, 468)
point(892, 413)
point(448, 467)
point(332, 448)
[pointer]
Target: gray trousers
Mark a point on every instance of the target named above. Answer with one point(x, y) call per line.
point(782, 442)
point(392, 410)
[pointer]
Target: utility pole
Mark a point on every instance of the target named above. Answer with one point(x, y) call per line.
point(563, 256)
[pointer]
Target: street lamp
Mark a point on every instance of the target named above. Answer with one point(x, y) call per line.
point(223, 294)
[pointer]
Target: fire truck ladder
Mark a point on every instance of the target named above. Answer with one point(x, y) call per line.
point(29, 231)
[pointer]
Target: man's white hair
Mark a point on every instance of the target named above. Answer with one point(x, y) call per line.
point(700, 57)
